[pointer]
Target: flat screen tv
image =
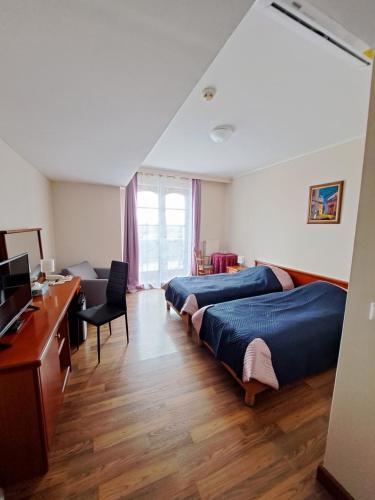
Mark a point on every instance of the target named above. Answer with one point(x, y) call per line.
point(15, 290)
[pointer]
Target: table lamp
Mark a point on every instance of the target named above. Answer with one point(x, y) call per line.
point(47, 266)
point(240, 260)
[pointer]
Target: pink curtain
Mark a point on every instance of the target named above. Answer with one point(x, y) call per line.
point(131, 248)
point(196, 216)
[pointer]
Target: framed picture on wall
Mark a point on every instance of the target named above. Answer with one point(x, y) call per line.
point(325, 203)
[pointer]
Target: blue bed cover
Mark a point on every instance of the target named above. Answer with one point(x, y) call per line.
point(222, 287)
point(302, 328)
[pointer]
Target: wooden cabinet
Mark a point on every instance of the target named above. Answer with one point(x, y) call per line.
point(51, 386)
point(23, 446)
point(33, 374)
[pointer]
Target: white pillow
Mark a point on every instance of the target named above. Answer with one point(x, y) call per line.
point(84, 270)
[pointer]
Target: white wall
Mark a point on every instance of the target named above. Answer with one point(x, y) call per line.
point(268, 212)
point(213, 212)
point(25, 197)
point(87, 223)
point(350, 454)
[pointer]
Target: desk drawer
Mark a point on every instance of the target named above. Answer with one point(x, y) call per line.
point(52, 385)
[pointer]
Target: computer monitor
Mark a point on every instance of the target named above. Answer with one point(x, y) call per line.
point(15, 290)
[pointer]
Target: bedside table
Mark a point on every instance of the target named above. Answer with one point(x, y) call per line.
point(235, 269)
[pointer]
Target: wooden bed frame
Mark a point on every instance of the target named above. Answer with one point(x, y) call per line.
point(300, 278)
point(186, 318)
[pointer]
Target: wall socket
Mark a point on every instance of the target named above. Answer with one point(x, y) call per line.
point(371, 314)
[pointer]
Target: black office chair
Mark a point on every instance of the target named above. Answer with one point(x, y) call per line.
point(115, 306)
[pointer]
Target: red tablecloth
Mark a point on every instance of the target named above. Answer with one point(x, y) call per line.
point(220, 261)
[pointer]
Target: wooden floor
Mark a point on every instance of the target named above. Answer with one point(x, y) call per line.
point(161, 419)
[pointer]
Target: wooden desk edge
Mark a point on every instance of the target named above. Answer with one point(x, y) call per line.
point(62, 314)
point(38, 360)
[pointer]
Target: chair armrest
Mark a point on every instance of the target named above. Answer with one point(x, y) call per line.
point(95, 291)
point(102, 272)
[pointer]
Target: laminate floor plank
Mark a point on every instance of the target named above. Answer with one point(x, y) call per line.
point(161, 419)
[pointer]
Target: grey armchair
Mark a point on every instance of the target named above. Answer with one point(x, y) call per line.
point(94, 281)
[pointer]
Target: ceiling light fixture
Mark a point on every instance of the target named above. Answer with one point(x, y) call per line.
point(221, 133)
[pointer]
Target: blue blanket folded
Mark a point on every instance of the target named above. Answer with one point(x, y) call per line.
point(222, 287)
point(301, 327)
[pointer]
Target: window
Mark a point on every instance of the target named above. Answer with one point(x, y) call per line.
point(164, 228)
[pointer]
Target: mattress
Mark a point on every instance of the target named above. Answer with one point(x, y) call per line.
point(188, 294)
point(276, 338)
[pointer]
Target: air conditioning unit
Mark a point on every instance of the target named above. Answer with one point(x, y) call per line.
point(319, 24)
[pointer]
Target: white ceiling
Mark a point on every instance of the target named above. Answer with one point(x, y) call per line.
point(88, 86)
point(286, 92)
point(358, 16)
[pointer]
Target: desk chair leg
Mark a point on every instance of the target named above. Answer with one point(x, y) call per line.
point(110, 328)
point(98, 342)
point(78, 325)
point(126, 325)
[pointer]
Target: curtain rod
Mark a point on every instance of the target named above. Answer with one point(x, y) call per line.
point(183, 175)
point(171, 176)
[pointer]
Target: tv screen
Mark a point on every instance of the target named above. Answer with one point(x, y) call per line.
point(15, 290)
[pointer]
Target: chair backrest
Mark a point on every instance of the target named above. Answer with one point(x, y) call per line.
point(202, 262)
point(117, 283)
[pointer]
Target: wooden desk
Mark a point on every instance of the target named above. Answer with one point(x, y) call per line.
point(235, 269)
point(33, 374)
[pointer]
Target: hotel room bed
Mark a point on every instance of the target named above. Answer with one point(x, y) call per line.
point(188, 294)
point(275, 339)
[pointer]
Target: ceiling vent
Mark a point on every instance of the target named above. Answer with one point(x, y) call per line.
point(322, 26)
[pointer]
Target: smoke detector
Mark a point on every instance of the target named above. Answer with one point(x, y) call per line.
point(208, 93)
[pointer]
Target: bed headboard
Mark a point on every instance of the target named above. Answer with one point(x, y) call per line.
point(302, 278)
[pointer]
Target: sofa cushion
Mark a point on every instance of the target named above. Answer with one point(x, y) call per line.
point(84, 270)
